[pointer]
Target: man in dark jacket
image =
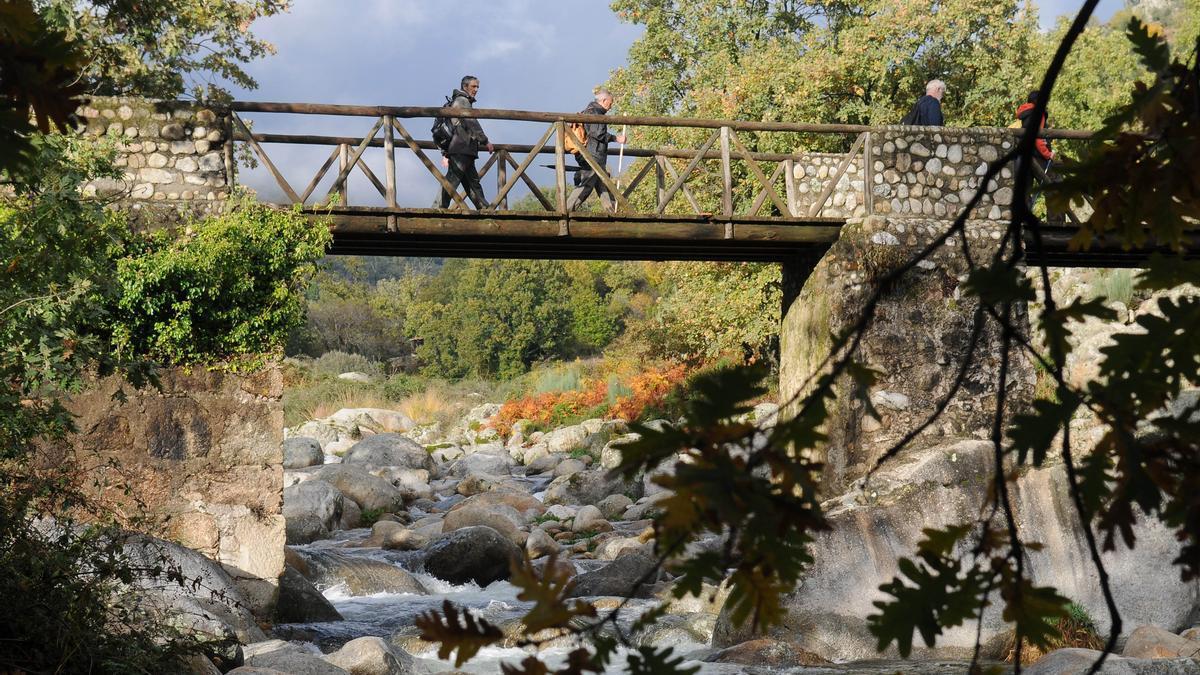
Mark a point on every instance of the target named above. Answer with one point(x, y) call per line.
point(596, 142)
point(927, 111)
point(468, 137)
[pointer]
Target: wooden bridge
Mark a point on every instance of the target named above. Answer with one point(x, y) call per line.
point(725, 199)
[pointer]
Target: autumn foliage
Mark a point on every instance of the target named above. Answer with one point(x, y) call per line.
point(639, 395)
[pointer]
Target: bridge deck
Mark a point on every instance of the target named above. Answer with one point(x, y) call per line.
point(582, 235)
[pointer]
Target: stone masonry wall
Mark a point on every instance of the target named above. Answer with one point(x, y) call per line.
point(813, 171)
point(204, 455)
point(172, 153)
point(929, 172)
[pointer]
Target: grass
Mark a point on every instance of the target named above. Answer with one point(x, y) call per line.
point(1077, 629)
point(1113, 285)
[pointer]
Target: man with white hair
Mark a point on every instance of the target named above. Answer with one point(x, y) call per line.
point(927, 111)
point(596, 143)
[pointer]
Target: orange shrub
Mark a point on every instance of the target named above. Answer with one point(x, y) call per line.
point(649, 390)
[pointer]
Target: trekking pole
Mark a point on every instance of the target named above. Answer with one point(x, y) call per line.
point(621, 155)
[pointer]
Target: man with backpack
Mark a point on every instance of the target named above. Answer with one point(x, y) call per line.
point(927, 111)
point(459, 139)
point(596, 145)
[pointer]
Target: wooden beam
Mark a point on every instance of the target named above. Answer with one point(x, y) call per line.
point(412, 145)
point(501, 174)
point(538, 116)
point(560, 170)
point(520, 169)
point(262, 154)
point(312, 185)
point(677, 153)
point(726, 176)
point(762, 177)
point(686, 192)
point(366, 170)
point(641, 174)
point(837, 176)
point(762, 195)
point(682, 178)
point(533, 187)
point(358, 151)
point(789, 182)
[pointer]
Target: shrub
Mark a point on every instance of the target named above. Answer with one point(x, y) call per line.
point(226, 286)
point(335, 363)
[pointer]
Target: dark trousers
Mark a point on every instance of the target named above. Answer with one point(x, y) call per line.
point(1043, 178)
point(462, 170)
point(587, 181)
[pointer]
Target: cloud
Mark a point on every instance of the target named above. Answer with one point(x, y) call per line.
point(494, 49)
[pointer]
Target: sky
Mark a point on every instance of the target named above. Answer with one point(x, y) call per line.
point(528, 55)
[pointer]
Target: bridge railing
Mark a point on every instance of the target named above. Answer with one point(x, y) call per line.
point(769, 177)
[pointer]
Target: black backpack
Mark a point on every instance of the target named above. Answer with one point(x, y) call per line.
point(443, 129)
point(911, 118)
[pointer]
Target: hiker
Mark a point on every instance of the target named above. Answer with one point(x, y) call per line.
point(463, 148)
point(596, 144)
point(1042, 153)
point(927, 111)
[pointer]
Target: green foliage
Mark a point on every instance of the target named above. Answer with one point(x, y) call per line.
point(497, 318)
point(230, 286)
point(158, 48)
point(741, 302)
point(39, 81)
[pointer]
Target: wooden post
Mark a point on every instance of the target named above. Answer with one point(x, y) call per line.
point(789, 182)
point(726, 183)
point(560, 174)
point(389, 166)
point(502, 176)
point(868, 174)
point(659, 179)
point(230, 162)
point(343, 161)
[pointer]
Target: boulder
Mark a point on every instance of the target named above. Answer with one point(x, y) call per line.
point(311, 510)
point(534, 453)
point(1152, 642)
point(208, 604)
point(300, 452)
point(481, 463)
point(478, 483)
point(618, 577)
point(288, 658)
point(938, 486)
point(410, 539)
point(503, 519)
point(614, 548)
point(589, 518)
point(477, 554)
point(768, 653)
point(610, 454)
point(323, 432)
point(539, 544)
point(371, 656)
point(545, 462)
point(361, 575)
point(355, 376)
point(379, 420)
point(566, 439)
point(367, 490)
point(521, 501)
point(389, 449)
point(351, 515)
point(300, 601)
point(613, 506)
point(590, 487)
point(569, 466)
point(1079, 662)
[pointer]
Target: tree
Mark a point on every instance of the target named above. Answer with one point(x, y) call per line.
point(162, 49)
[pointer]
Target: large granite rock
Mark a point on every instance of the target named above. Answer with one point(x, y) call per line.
point(372, 656)
point(590, 487)
point(312, 510)
point(301, 602)
point(476, 554)
point(944, 485)
point(1079, 662)
point(619, 578)
point(364, 488)
point(300, 452)
point(286, 657)
point(389, 449)
point(360, 574)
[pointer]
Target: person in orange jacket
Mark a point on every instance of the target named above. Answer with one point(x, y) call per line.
point(1043, 153)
